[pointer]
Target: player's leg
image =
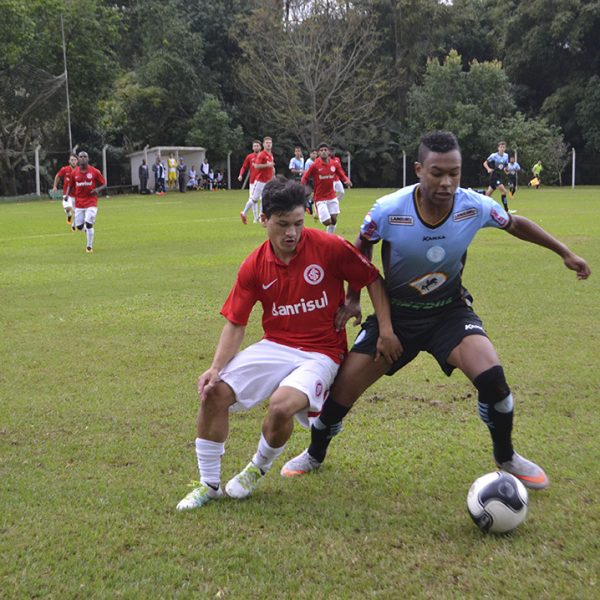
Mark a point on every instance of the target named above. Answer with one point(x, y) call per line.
point(503, 196)
point(212, 431)
point(90, 220)
point(323, 213)
point(334, 210)
point(476, 357)
point(340, 191)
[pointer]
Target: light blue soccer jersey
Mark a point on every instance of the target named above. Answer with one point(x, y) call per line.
point(500, 162)
point(513, 168)
point(423, 263)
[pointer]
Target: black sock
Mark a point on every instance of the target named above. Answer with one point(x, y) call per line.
point(327, 425)
point(493, 389)
point(504, 202)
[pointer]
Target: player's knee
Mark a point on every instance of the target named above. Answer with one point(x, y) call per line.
point(493, 389)
point(280, 409)
point(89, 225)
point(216, 399)
point(80, 227)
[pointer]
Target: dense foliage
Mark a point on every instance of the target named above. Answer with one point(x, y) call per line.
point(368, 76)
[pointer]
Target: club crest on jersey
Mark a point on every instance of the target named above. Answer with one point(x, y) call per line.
point(318, 389)
point(436, 254)
point(400, 220)
point(426, 284)
point(502, 221)
point(313, 274)
point(468, 213)
point(89, 175)
point(332, 168)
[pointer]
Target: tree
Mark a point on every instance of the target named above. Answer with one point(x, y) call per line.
point(211, 128)
point(313, 76)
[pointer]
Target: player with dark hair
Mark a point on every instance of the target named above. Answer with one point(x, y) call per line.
point(248, 165)
point(298, 276)
point(322, 172)
point(68, 202)
point(512, 170)
point(426, 230)
point(496, 164)
point(86, 183)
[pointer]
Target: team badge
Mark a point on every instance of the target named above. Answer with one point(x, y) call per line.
point(426, 284)
point(318, 389)
point(436, 254)
point(332, 169)
point(501, 220)
point(313, 274)
point(89, 175)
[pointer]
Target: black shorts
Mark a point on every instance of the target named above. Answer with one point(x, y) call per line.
point(495, 181)
point(437, 334)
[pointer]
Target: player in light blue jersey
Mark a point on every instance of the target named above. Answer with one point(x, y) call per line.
point(425, 232)
point(513, 171)
point(496, 164)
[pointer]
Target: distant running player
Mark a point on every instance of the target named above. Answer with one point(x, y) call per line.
point(496, 164)
point(248, 166)
point(68, 202)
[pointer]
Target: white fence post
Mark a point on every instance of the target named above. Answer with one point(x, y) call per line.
point(403, 168)
point(229, 170)
point(37, 171)
point(573, 170)
point(104, 171)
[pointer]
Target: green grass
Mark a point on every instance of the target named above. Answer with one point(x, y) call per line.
point(99, 357)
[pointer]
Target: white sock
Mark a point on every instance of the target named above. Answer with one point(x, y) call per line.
point(89, 234)
point(331, 228)
point(247, 207)
point(255, 210)
point(209, 461)
point(265, 454)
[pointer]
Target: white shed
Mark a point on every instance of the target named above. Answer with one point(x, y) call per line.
point(192, 155)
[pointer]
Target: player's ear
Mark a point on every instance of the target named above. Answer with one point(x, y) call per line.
point(418, 168)
point(263, 219)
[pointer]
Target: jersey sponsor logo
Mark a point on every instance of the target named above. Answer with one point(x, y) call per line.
point(501, 220)
point(436, 254)
point(84, 183)
point(468, 213)
point(313, 274)
point(469, 326)
point(400, 220)
point(426, 284)
point(304, 306)
point(266, 286)
point(421, 305)
point(431, 238)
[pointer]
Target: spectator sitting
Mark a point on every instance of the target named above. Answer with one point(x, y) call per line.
point(192, 183)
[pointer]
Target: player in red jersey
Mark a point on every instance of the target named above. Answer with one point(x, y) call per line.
point(264, 167)
point(248, 165)
point(298, 276)
point(323, 173)
point(68, 201)
point(86, 183)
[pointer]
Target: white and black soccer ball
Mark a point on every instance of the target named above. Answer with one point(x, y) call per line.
point(497, 502)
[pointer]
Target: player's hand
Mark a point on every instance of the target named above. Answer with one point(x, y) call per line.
point(54, 189)
point(65, 198)
point(207, 382)
point(240, 178)
point(349, 184)
point(579, 265)
point(350, 310)
point(93, 192)
point(389, 346)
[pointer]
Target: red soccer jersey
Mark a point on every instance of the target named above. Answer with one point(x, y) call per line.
point(65, 173)
point(264, 175)
point(300, 299)
point(338, 162)
point(84, 182)
point(248, 165)
point(323, 175)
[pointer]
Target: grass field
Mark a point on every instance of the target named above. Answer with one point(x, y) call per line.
point(100, 355)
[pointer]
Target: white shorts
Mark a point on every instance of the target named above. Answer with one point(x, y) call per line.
point(69, 202)
point(327, 208)
point(256, 372)
point(257, 190)
point(85, 215)
point(340, 191)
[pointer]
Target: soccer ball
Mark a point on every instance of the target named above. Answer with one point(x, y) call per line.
point(497, 502)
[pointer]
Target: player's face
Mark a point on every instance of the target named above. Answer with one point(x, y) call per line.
point(284, 231)
point(501, 148)
point(256, 147)
point(439, 176)
point(268, 144)
point(298, 153)
point(324, 153)
point(73, 161)
point(83, 159)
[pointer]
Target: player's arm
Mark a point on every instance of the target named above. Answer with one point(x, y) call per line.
point(229, 344)
point(486, 166)
point(352, 308)
point(388, 344)
point(56, 180)
point(343, 176)
point(243, 169)
point(527, 230)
